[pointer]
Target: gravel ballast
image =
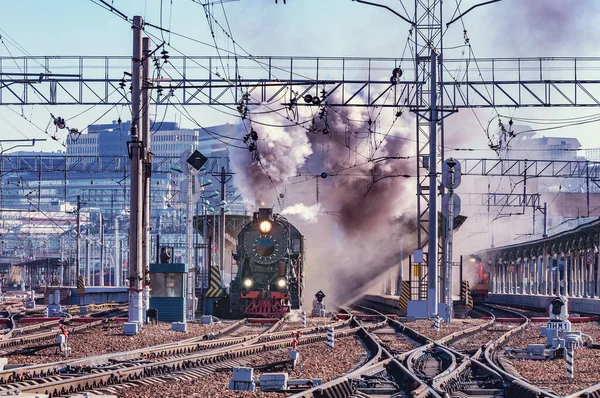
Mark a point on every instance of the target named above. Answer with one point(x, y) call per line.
point(317, 361)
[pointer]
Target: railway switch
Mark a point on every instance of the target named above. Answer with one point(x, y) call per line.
point(561, 341)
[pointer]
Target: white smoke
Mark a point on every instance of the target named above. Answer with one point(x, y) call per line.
point(309, 214)
point(282, 152)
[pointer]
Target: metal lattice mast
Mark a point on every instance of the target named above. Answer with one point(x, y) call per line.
point(428, 59)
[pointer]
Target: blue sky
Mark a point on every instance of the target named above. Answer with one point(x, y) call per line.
point(509, 28)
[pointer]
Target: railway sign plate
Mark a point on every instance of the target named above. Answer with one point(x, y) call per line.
point(566, 326)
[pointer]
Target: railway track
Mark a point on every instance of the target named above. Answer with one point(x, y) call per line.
point(435, 368)
point(40, 332)
point(71, 376)
point(464, 363)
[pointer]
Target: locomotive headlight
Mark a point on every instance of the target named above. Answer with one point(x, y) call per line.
point(247, 282)
point(265, 227)
point(281, 283)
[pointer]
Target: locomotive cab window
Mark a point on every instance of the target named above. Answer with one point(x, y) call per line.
point(296, 246)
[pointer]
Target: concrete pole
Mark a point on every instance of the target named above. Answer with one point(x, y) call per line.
point(589, 276)
point(550, 274)
point(400, 271)
point(88, 265)
point(123, 257)
point(101, 250)
point(432, 266)
point(222, 223)
point(526, 263)
point(136, 272)
point(189, 254)
point(543, 276)
point(545, 234)
point(497, 278)
point(493, 277)
point(544, 280)
point(503, 271)
point(117, 254)
point(577, 279)
point(206, 256)
point(582, 274)
point(566, 275)
point(579, 273)
point(533, 266)
point(584, 278)
point(598, 273)
point(145, 135)
point(529, 275)
point(530, 267)
point(539, 274)
point(571, 279)
point(573, 264)
point(575, 273)
point(77, 249)
point(449, 243)
point(513, 281)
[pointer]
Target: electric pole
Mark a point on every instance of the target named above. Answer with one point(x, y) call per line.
point(118, 260)
point(189, 242)
point(145, 133)
point(101, 250)
point(136, 275)
point(77, 242)
point(223, 178)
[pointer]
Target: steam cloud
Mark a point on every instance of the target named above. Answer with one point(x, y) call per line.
point(305, 213)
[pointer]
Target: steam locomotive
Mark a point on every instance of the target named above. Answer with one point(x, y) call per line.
point(270, 276)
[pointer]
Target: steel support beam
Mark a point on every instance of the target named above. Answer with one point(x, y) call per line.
point(355, 81)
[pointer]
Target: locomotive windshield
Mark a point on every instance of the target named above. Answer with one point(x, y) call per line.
point(265, 247)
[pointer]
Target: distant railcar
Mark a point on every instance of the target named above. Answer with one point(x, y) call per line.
point(480, 287)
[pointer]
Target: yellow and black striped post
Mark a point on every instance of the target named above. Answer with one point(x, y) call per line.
point(465, 294)
point(404, 295)
point(215, 289)
point(81, 288)
point(81, 285)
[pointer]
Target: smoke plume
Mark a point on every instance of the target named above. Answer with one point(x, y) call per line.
point(351, 166)
point(554, 25)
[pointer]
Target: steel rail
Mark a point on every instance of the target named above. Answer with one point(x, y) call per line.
point(182, 347)
point(446, 383)
point(342, 386)
point(519, 386)
point(90, 381)
point(17, 341)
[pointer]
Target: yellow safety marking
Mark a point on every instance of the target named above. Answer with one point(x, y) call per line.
point(215, 289)
point(404, 295)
